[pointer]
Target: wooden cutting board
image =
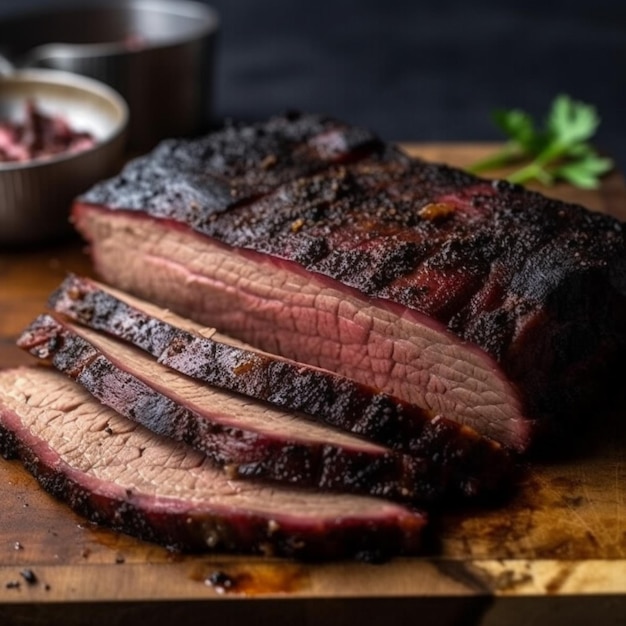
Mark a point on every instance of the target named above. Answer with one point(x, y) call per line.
point(555, 553)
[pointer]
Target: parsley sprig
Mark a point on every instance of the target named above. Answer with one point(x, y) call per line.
point(558, 151)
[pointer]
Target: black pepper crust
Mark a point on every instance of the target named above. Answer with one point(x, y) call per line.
point(193, 181)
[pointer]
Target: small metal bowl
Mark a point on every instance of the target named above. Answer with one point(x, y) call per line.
point(35, 196)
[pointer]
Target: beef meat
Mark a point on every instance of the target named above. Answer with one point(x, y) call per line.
point(248, 439)
point(119, 474)
point(40, 136)
point(479, 300)
point(462, 461)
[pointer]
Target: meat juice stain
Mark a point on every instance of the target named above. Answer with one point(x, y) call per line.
point(120, 548)
point(247, 580)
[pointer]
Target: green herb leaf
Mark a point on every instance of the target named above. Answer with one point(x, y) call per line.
point(519, 126)
point(584, 173)
point(559, 151)
point(571, 122)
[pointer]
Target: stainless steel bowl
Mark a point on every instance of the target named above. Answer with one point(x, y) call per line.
point(159, 54)
point(35, 196)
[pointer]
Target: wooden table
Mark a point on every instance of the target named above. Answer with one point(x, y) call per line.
point(554, 554)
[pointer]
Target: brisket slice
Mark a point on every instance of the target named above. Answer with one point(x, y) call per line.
point(118, 474)
point(247, 438)
point(467, 462)
point(485, 302)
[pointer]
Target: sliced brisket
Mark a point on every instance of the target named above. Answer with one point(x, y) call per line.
point(116, 473)
point(248, 439)
point(482, 301)
point(456, 455)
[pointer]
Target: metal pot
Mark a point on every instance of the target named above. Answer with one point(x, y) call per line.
point(159, 54)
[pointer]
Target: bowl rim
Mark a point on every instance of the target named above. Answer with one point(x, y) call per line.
point(82, 83)
point(207, 23)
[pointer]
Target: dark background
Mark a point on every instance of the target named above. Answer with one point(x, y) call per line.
point(418, 71)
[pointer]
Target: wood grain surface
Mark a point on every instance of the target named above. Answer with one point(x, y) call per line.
point(557, 547)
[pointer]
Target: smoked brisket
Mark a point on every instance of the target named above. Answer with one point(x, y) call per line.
point(478, 300)
point(116, 473)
